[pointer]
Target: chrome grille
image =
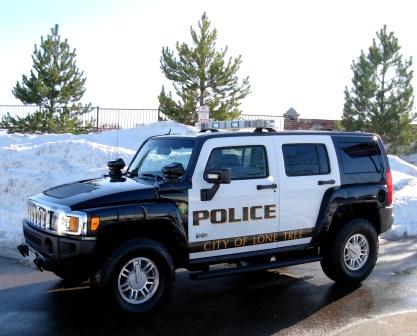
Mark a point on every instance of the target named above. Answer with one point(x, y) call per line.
point(38, 216)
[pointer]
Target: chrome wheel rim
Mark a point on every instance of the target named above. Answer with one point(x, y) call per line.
point(356, 252)
point(138, 280)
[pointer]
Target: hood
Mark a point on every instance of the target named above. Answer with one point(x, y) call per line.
point(100, 193)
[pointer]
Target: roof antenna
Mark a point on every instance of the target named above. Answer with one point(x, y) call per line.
point(117, 132)
point(169, 133)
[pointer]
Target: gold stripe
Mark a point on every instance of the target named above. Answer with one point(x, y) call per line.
point(263, 238)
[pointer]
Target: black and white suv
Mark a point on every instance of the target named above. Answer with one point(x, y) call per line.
point(257, 200)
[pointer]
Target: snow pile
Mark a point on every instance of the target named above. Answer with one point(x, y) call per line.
point(32, 163)
point(404, 177)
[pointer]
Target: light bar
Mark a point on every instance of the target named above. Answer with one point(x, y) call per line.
point(236, 124)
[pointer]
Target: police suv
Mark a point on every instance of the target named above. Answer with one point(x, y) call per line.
point(256, 200)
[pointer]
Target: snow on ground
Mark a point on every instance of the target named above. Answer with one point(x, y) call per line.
point(32, 163)
point(404, 177)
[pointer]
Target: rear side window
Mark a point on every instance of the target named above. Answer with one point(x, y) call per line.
point(305, 159)
point(245, 162)
point(359, 158)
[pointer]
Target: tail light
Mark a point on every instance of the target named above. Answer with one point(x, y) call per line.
point(389, 187)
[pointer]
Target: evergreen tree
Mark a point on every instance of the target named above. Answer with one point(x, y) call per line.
point(202, 75)
point(56, 85)
point(381, 97)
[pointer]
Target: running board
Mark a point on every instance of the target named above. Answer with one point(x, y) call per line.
point(252, 268)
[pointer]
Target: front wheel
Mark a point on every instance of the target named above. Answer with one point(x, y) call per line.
point(352, 255)
point(139, 274)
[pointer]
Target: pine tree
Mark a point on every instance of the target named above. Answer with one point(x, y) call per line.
point(56, 85)
point(381, 97)
point(202, 75)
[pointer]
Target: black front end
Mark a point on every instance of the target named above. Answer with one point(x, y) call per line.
point(56, 253)
point(74, 253)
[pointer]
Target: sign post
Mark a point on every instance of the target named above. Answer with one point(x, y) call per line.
point(203, 114)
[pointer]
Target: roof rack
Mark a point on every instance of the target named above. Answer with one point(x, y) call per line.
point(260, 125)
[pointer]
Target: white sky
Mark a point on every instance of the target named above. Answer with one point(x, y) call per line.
point(296, 53)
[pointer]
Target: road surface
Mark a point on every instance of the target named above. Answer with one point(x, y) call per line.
point(298, 301)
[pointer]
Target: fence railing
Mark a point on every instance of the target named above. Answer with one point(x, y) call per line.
point(100, 118)
point(115, 118)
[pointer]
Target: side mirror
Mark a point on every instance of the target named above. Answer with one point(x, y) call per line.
point(115, 169)
point(218, 176)
point(173, 171)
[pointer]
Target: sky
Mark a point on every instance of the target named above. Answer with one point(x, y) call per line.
point(296, 53)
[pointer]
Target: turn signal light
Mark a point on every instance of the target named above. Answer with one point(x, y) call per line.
point(94, 223)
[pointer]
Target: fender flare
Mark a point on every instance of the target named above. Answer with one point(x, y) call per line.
point(152, 217)
point(334, 198)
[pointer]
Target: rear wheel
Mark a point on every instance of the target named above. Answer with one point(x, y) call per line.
point(138, 275)
point(353, 253)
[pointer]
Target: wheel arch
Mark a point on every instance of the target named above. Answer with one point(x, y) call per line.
point(339, 206)
point(160, 222)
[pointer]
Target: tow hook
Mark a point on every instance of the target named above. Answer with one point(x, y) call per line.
point(39, 263)
point(23, 250)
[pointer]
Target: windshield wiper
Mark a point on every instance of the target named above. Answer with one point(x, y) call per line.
point(154, 176)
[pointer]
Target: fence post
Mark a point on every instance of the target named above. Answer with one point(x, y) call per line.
point(97, 114)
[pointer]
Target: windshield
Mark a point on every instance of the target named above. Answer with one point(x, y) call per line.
point(157, 153)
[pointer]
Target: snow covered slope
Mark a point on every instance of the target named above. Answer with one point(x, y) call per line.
point(404, 177)
point(32, 163)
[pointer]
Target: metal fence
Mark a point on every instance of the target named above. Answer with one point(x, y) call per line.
point(100, 118)
point(115, 118)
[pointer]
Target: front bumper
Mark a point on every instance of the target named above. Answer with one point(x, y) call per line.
point(59, 252)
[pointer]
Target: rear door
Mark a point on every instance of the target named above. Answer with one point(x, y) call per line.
point(307, 166)
point(243, 215)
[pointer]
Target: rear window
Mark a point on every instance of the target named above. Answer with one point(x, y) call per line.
point(305, 159)
point(359, 158)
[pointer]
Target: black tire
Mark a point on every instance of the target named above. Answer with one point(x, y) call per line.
point(333, 262)
point(108, 277)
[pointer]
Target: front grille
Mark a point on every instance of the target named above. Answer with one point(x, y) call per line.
point(38, 216)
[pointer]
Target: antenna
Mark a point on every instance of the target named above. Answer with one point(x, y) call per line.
point(117, 133)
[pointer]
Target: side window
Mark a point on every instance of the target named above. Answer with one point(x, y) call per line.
point(245, 162)
point(305, 159)
point(359, 158)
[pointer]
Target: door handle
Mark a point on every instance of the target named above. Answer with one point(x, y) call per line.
point(326, 182)
point(266, 186)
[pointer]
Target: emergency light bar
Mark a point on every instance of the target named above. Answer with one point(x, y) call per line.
point(236, 124)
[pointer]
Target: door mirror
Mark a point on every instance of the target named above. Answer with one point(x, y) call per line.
point(173, 171)
point(218, 176)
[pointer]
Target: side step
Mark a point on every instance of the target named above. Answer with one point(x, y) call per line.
point(252, 268)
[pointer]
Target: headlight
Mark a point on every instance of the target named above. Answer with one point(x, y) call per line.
point(74, 223)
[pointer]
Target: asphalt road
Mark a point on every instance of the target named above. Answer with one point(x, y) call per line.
point(298, 301)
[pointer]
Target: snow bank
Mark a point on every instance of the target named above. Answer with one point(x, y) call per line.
point(404, 177)
point(32, 163)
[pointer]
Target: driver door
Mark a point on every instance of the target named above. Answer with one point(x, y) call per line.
point(243, 215)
